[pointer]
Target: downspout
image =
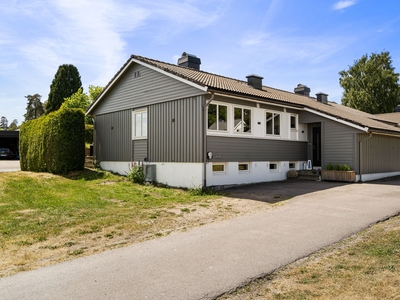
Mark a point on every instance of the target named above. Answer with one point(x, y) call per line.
point(205, 139)
point(359, 154)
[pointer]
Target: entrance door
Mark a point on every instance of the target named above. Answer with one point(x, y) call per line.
point(316, 147)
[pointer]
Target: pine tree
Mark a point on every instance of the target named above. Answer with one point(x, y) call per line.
point(34, 108)
point(66, 82)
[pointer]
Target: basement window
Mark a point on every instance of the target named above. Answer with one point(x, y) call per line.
point(244, 167)
point(218, 168)
point(273, 167)
point(292, 165)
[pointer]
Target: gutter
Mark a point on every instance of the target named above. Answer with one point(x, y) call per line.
point(359, 154)
point(205, 139)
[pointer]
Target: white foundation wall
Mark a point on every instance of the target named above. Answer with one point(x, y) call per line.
point(376, 176)
point(186, 175)
point(120, 167)
point(258, 172)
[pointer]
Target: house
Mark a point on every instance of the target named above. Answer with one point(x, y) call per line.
point(201, 129)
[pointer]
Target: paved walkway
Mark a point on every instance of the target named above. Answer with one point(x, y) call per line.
point(210, 260)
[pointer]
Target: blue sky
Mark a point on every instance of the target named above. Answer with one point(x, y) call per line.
point(286, 41)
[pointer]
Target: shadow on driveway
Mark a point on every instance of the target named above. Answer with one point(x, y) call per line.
point(273, 192)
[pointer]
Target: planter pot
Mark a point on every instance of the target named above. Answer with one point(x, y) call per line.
point(347, 176)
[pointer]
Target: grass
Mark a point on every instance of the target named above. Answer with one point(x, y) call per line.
point(365, 266)
point(44, 212)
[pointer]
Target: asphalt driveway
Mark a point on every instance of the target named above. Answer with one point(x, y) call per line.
point(207, 261)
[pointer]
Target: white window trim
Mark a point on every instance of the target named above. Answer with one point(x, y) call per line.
point(220, 132)
point(297, 122)
point(273, 170)
point(233, 119)
point(272, 135)
point(244, 171)
point(134, 113)
point(294, 165)
point(218, 172)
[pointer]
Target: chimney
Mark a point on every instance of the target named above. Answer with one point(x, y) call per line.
point(322, 97)
point(302, 90)
point(190, 61)
point(255, 81)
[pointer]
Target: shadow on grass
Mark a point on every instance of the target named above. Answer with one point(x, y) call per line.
point(86, 174)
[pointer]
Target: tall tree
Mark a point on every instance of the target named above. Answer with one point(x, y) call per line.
point(3, 123)
point(14, 125)
point(66, 82)
point(34, 108)
point(371, 84)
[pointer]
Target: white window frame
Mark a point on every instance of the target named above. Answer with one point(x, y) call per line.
point(292, 163)
point(244, 171)
point(274, 169)
point(218, 164)
point(273, 123)
point(296, 122)
point(143, 134)
point(251, 118)
point(218, 104)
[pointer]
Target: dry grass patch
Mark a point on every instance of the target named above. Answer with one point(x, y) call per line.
point(365, 266)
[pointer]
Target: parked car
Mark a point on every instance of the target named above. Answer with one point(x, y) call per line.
point(6, 153)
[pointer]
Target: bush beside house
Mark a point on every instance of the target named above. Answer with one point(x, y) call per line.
point(53, 143)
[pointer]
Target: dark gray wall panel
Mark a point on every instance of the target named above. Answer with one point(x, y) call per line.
point(379, 154)
point(150, 87)
point(113, 136)
point(175, 131)
point(230, 149)
point(139, 150)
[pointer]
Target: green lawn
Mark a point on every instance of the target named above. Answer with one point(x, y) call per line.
point(44, 211)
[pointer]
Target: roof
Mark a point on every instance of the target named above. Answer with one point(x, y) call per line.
point(391, 117)
point(217, 83)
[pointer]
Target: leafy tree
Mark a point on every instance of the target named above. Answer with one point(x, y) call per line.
point(66, 82)
point(34, 108)
point(371, 84)
point(14, 125)
point(3, 123)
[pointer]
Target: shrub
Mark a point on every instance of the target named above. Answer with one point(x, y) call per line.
point(136, 174)
point(338, 167)
point(53, 143)
point(292, 174)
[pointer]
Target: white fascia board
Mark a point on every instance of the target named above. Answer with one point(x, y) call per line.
point(133, 60)
point(197, 86)
point(365, 129)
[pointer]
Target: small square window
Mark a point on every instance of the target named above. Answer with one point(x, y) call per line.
point(243, 167)
point(273, 166)
point(218, 168)
point(292, 165)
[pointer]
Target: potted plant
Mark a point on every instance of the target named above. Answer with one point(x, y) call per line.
point(338, 173)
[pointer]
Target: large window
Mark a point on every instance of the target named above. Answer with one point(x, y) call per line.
point(217, 117)
point(273, 123)
point(140, 124)
point(242, 118)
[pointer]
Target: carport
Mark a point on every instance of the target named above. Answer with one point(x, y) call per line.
point(10, 139)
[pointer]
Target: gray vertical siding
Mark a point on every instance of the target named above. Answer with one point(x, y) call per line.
point(139, 150)
point(231, 149)
point(379, 154)
point(113, 136)
point(339, 144)
point(150, 87)
point(175, 131)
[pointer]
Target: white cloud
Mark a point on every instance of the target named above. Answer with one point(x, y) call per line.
point(344, 4)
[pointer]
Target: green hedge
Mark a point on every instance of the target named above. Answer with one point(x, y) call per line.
point(53, 143)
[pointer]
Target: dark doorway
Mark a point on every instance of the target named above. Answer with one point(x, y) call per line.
point(316, 147)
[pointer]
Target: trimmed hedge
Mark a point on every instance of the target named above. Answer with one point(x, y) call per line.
point(53, 143)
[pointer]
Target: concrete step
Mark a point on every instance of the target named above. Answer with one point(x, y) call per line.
point(308, 175)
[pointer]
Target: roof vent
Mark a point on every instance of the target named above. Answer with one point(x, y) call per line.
point(255, 81)
point(302, 89)
point(322, 97)
point(397, 108)
point(190, 61)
